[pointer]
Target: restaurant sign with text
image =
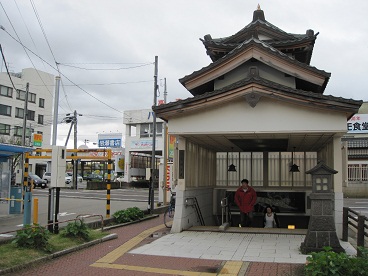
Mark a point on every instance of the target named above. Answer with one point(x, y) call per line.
point(358, 124)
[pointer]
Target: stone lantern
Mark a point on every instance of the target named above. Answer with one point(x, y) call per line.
point(321, 229)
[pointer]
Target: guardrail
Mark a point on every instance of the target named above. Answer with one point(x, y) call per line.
point(358, 222)
point(78, 218)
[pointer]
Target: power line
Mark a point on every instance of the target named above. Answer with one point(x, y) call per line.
point(103, 116)
point(43, 30)
point(24, 48)
point(111, 83)
point(106, 69)
point(52, 53)
point(60, 72)
point(6, 66)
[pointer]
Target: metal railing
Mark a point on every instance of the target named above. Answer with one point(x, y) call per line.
point(192, 201)
point(78, 218)
point(225, 211)
point(359, 222)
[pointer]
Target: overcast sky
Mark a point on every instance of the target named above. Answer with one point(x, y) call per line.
point(108, 48)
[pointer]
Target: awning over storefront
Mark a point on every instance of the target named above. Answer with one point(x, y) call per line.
point(7, 151)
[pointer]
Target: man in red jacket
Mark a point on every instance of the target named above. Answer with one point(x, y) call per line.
point(245, 198)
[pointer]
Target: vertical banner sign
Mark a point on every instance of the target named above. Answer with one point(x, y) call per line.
point(37, 140)
point(172, 141)
point(168, 176)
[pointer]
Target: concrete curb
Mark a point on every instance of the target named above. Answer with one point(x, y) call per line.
point(58, 254)
point(131, 222)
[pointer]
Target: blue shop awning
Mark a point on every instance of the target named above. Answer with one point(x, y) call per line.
point(7, 151)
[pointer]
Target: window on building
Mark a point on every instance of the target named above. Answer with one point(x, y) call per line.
point(40, 119)
point(31, 115)
point(5, 110)
point(364, 172)
point(21, 95)
point(6, 91)
point(18, 131)
point(32, 97)
point(4, 129)
point(159, 129)
point(131, 130)
point(357, 172)
point(147, 130)
point(41, 102)
point(19, 112)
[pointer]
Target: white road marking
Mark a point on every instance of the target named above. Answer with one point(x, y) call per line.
point(66, 214)
point(6, 235)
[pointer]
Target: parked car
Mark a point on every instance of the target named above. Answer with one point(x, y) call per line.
point(37, 181)
point(120, 178)
point(68, 179)
point(93, 176)
point(79, 177)
point(47, 176)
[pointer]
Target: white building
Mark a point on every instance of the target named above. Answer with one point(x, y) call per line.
point(139, 142)
point(355, 152)
point(12, 105)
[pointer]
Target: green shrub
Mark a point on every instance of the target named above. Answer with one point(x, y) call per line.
point(328, 263)
point(36, 237)
point(77, 229)
point(130, 214)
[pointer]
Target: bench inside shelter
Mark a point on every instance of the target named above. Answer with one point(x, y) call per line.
point(290, 208)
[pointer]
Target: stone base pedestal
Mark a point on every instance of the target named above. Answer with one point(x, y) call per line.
point(315, 241)
point(321, 229)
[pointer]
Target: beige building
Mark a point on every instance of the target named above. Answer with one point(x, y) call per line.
point(259, 105)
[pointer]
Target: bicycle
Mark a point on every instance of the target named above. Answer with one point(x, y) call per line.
point(170, 212)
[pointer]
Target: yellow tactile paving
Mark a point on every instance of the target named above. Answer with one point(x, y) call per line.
point(125, 247)
point(152, 270)
point(230, 267)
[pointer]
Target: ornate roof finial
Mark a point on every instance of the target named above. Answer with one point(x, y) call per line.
point(258, 14)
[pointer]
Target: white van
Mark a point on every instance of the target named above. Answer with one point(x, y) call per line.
point(47, 176)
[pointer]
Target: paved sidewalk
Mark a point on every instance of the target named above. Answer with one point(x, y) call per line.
point(148, 248)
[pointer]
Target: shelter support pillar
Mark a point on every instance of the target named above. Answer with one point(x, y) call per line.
point(338, 179)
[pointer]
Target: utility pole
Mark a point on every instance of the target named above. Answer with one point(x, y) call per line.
point(164, 152)
point(56, 110)
point(27, 189)
point(153, 161)
point(51, 190)
point(75, 166)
